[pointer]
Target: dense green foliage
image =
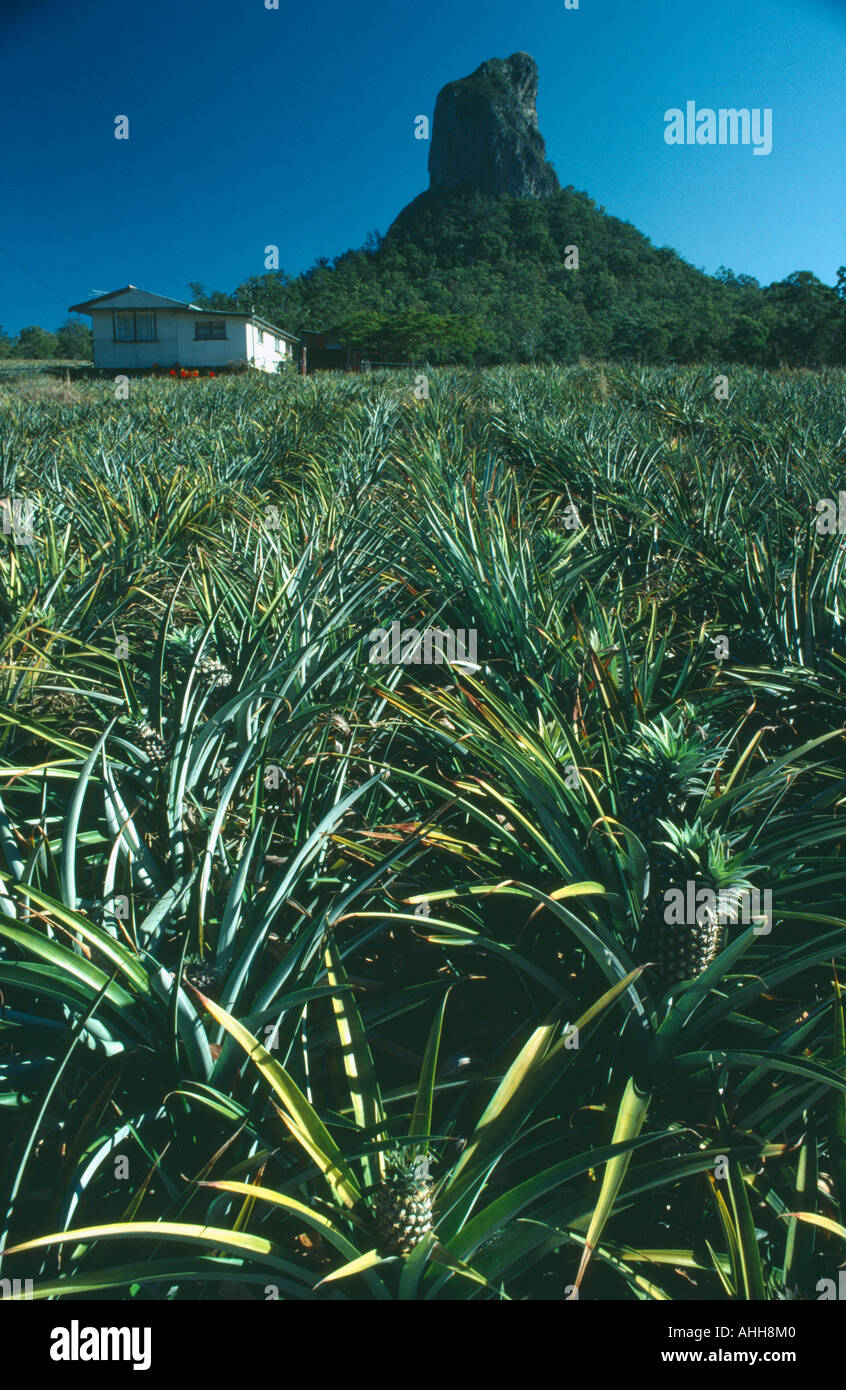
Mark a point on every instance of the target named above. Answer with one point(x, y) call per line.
point(461, 278)
point(71, 342)
point(464, 278)
point(281, 927)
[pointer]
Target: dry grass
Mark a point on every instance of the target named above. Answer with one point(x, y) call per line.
point(41, 387)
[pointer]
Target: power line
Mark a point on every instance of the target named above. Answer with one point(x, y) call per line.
point(62, 299)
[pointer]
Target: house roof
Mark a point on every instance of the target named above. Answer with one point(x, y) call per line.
point(131, 297)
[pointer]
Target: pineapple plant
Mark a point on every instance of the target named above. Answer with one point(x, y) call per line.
point(403, 1202)
point(756, 646)
point(183, 644)
point(683, 928)
point(662, 773)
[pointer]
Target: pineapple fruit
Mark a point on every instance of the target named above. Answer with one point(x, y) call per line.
point(683, 928)
point(693, 885)
point(203, 973)
point(403, 1203)
point(215, 672)
point(755, 646)
point(151, 743)
point(183, 644)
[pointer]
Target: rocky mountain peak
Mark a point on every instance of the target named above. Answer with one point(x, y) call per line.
point(485, 133)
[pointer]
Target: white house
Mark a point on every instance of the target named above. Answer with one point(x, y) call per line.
point(135, 330)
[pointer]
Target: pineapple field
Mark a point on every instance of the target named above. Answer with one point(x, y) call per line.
point(331, 978)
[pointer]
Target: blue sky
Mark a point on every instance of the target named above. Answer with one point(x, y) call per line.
point(296, 127)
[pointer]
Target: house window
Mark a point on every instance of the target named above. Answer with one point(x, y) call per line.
point(207, 330)
point(132, 327)
point(278, 344)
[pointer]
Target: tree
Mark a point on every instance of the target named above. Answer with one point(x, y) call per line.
point(748, 340)
point(807, 316)
point(74, 341)
point(414, 336)
point(35, 343)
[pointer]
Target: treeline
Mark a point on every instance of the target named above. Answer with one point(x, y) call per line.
point(465, 278)
point(469, 279)
point(71, 342)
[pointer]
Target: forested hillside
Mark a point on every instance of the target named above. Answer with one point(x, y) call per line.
point(463, 277)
